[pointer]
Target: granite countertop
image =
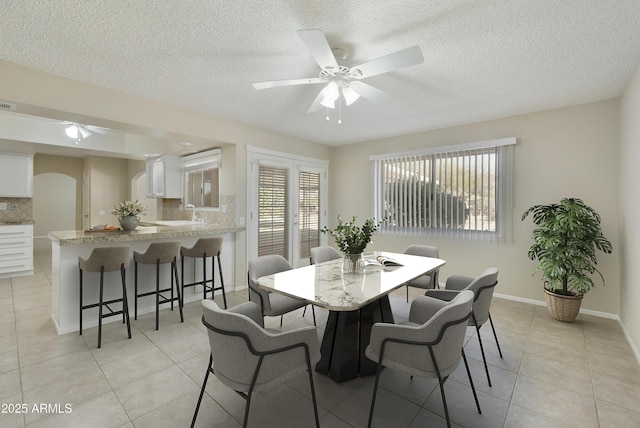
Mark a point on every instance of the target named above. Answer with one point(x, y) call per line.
point(142, 233)
point(15, 222)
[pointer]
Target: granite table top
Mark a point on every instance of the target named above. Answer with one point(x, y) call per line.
point(141, 233)
point(325, 284)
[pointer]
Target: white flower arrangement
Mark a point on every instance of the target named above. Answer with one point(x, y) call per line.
point(128, 208)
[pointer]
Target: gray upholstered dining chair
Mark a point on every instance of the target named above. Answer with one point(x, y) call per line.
point(323, 254)
point(429, 280)
point(482, 287)
point(430, 344)
point(247, 358)
point(272, 304)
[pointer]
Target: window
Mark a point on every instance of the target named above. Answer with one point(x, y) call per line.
point(457, 191)
point(201, 176)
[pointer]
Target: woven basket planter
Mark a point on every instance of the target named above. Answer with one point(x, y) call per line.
point(563, 308)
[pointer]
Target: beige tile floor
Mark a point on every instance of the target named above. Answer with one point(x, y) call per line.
point(553, 374)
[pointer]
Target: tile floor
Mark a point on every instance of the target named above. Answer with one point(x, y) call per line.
point(553, 374)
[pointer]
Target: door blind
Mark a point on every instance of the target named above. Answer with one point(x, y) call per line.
point(309, 212)
point(273, 213)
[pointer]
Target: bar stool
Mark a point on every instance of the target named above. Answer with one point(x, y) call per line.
point(205, 247)
point(108, 259)
point(159, 253)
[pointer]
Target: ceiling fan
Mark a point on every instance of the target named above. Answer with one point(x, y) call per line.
point(342, 79)
point(79, 131)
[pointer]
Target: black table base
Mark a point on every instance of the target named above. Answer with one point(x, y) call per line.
point(346, 337)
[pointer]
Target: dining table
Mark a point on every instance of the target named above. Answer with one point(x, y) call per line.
point(355, 301)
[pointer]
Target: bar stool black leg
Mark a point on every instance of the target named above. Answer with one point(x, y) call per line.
point(80, 302)
point(224, 296)
point(125, 301)
point(135, 292)
point(157, 294)
point(174, 267)
point(100, 306)
point(182, 271)
point(204, 276)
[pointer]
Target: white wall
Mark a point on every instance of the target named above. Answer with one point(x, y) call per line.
point(630, 207)
point(569, 152)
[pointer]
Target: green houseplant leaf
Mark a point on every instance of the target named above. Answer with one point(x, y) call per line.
point(564, 244)
point(352, 239)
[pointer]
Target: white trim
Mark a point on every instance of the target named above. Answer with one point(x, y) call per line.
point(446, 149)
point(543, 303)
point(259, 150)
point(635, 350)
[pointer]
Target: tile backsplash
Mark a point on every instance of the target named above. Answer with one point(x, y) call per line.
point(18, 209)
point(172, 209)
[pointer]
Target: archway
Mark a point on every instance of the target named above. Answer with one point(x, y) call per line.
point(54, 203)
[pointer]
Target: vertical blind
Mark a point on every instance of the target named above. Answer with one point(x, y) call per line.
point(309, 212)
point(454, 193)
point(273, 213)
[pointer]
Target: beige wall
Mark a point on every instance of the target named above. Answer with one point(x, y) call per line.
point(630, 207)
point(110, 185)
point(43, 164)
point(569, 152)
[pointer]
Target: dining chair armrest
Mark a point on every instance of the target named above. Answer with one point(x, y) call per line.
point(383, 331)
point(277, 342)
point(442, 294)
point(458, 282)
point(251, 310)
point(425, 307)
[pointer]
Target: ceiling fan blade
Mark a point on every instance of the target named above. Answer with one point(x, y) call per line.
point(401, 59)
point(97, 129)
point(317, 44)
point(84, 131)
point(288, 82)
point(369, 92)
point(317, 103)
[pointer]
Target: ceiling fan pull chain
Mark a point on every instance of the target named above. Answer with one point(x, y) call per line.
point(339, 110)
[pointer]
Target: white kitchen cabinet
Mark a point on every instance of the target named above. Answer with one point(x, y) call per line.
point(16, 175)
point(16, 250)
point(164, 177)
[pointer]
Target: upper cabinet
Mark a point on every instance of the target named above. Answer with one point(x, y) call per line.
point(202, 180)
point(16, 175)
point(164, 178)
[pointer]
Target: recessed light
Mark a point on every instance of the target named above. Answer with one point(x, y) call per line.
point(185, 143)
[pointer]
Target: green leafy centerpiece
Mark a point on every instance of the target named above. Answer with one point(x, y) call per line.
point(352, 241)
point(128, 212)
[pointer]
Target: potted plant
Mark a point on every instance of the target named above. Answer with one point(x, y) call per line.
point(127, 213)
point(565, 242)
point(352, 240)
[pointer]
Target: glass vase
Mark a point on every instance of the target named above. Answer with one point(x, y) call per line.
point(353, 263)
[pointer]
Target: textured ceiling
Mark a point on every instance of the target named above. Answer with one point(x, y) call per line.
point(483, 59)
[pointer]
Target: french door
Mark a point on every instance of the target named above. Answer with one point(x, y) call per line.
point(287, 203)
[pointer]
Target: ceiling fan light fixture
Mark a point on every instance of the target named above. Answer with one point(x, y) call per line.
point(77, 131)
point(71, 131)
point(350, 95)
point(330, 94)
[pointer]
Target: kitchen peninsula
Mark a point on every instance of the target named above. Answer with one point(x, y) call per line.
point(67, 246)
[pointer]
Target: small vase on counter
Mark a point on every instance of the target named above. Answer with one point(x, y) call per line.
point(129, 222)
